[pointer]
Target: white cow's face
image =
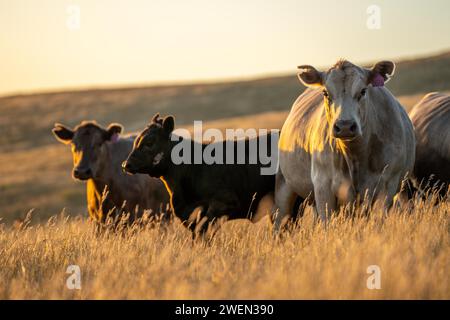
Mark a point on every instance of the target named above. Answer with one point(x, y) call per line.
point(345, 88)
point(344, 92)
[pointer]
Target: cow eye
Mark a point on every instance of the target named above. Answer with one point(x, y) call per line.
point(363, 92)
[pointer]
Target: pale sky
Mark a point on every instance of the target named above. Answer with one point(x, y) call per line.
point(138, 42)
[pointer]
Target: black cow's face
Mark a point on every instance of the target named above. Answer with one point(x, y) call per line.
point(151, 149)
point(88, 146)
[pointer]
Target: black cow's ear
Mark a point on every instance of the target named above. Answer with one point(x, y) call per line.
point(155, 118)
point(169, 124)
point(113, 131)
point(62, 133)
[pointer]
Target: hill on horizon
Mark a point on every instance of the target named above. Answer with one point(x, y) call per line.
point(20, 128)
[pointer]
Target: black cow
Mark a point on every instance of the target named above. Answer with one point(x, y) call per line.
point(200, 193)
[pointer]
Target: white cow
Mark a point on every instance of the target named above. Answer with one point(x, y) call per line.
point(346, 137)
point(431, 119)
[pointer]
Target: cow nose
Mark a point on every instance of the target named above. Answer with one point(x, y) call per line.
point(345, 129)
point(82, 173)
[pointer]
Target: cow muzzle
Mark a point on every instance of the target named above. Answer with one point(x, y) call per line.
point(345, 129)
point(82, 173)
point(127, 167)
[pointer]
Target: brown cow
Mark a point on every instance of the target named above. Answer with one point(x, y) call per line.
point(431, 119)
point(97, 157)
point(345, 138)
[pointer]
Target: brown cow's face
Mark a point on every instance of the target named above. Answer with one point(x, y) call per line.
point(88, 147)
point(345, 89)
point(151, 150)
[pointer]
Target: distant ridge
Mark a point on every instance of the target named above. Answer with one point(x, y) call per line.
point(26, 120)
point(403, 64)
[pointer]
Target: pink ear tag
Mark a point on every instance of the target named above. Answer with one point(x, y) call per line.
point(378, 80)
point(115, 138)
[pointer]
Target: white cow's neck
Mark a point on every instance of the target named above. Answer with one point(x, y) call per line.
point(352, 154)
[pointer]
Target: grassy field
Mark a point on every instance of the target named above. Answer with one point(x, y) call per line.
point(411, 247)
point(244, 261)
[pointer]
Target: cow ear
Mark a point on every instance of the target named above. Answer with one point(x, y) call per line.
point(309, 76)
point(169, 124)
point(62, 133)
point(113, 131)
point(155, 118)
point(381, 73)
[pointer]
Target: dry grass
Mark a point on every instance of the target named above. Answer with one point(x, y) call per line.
point(243, 261)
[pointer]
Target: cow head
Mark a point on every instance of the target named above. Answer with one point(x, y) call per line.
point(88, 146)
point(152, 148)
point(346, 90)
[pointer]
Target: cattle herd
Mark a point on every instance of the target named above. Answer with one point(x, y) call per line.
point(346, 139)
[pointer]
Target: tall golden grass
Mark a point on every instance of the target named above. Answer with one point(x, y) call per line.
point(244, 260)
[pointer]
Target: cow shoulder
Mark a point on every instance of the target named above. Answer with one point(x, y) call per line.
point(392, 138)
point(304, 119)
point(431, 117)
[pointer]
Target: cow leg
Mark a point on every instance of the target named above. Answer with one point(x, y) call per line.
point(284, 203)
point(325, 198)
point(107, 209)
point(185, 213)
point(220, 206)
point(404, 197)
point(299, 208)
point(387, 196)
point(207, 226)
